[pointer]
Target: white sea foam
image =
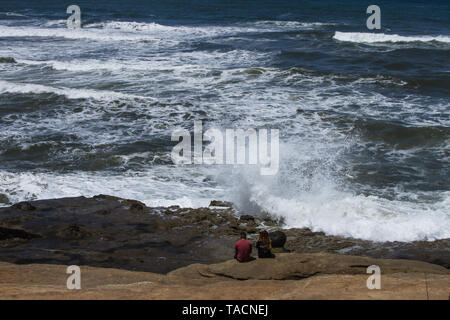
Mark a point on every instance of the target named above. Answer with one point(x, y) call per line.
point(71, 93)
point(259, 26)
point(86, 65)
point(178, 62)
point(124, 31)
point(314, 198)
point(156, 188)
point(12, 14)
point(365, 37)
point(306, 192)
point(285, 24)
point(155, 28)
point(358, 216)
point(139, 31)
point(321, 206)
point(54, 23)
point(83, 33)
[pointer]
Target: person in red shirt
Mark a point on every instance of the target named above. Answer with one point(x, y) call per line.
point(243, 249)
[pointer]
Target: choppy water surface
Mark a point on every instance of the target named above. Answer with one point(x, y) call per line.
point(364, 116)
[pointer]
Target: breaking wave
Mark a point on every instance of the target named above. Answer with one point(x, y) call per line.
point(364, 37)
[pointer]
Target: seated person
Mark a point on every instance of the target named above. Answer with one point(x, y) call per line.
point(264, 245)
point(243, 249)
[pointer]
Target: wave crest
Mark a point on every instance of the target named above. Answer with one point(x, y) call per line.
point(365, 37)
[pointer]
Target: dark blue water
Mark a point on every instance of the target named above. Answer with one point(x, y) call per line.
point(363, 114)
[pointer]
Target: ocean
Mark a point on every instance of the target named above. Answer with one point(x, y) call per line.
point(363, 115)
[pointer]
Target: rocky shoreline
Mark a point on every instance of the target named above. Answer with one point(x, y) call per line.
point(110, 232)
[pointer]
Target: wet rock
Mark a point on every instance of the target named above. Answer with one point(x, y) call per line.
point(7, 60)
point(103, 212)
point(4, 198)
point(198, 215)
point(247, 217)
point(7, 233)
point(278, 239)
point(270, 222)
point(306, 241)
point(309, 233)
point(25, 206)
point(106, 231)
point(216, 203)
point(74, 231)
point(137, 207)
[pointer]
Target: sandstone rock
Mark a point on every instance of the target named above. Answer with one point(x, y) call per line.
point(40, 281)
point(291, 266)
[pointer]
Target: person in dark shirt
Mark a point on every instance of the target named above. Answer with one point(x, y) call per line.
point(264, 245)
point(243, 249)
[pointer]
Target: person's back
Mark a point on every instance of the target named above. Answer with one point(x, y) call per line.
point(264, 245)
point(263, 251)
point(243, 249)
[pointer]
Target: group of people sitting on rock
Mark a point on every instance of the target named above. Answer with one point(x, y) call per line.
point(243, 248)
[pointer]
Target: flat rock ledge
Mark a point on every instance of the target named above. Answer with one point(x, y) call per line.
point(288, 276)
point(293, 266)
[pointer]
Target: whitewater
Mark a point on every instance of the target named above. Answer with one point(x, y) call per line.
point(363, 116)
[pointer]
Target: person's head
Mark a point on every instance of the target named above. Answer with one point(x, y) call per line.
point(265, 238)
point(243, 235)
